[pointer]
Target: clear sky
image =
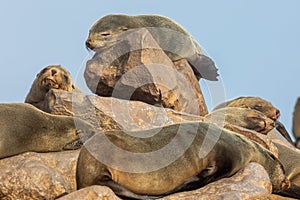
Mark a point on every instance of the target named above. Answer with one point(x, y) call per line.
point(256, 44)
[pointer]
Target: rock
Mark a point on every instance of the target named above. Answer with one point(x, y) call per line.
point(251, 183)
point(130, 115)
point(107, 113)
point(136, 68)
point(95, 192)
point(38, 175)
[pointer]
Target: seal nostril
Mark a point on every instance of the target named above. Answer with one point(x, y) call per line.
point(277, 113)
point(88, 43)
point(53, 72)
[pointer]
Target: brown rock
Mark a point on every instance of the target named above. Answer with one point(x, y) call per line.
point(251, 183)
point(38, 175)
point(95, 192)
point(137, 69)
point(108, 113)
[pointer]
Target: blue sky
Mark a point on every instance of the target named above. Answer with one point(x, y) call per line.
point(254, 43)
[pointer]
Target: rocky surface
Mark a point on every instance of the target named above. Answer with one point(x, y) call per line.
point(136, 68)
point(108, 113)
point(37, 176)
point(95, 192)
point(104, 113)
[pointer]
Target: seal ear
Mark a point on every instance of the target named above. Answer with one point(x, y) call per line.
point(203, 67)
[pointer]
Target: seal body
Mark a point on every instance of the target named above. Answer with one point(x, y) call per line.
point(51, 77)
point(191, 170)
point(176, 42)
point(25, 128)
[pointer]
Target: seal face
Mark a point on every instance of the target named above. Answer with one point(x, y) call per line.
point(190, 170)
point(242, 117)
point(170, 36)
point(25, 128)
point(254, 103)
point(51, 77)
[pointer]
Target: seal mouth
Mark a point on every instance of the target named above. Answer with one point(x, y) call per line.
point(50, 83)
point(90, 45)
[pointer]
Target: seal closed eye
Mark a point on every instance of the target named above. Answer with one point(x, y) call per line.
point(176, 42)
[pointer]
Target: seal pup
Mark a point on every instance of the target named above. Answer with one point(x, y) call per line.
point(25, 128)
point(254, 103)
point(51, 77)
point(173, 39)
point(190, 170)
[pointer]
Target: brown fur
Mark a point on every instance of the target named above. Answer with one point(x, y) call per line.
point(25, 128)
point(51, 77)
point(243, 117)
point(254, 103)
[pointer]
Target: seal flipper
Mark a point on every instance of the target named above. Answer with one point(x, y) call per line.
point(203, 67)
point(281, 129)
point(293, 191)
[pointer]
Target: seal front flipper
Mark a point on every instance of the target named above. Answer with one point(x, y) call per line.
point(203, 67)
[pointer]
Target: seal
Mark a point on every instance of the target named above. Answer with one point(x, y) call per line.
point(296, 123)
point(176, 42)
point(243, 117)
point(51, 77)
point(254, 103)
point(25, 128)
point(191, 170)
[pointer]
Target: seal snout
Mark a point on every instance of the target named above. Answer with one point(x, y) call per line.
point(88, 44)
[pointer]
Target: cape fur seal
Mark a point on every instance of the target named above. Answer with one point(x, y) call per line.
point(51, 77)
point(25, 128)
point(169, 35)
point(296, 123)
point(266, 109)
point(254, 103)
point(230, 153)
point(243, 117)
